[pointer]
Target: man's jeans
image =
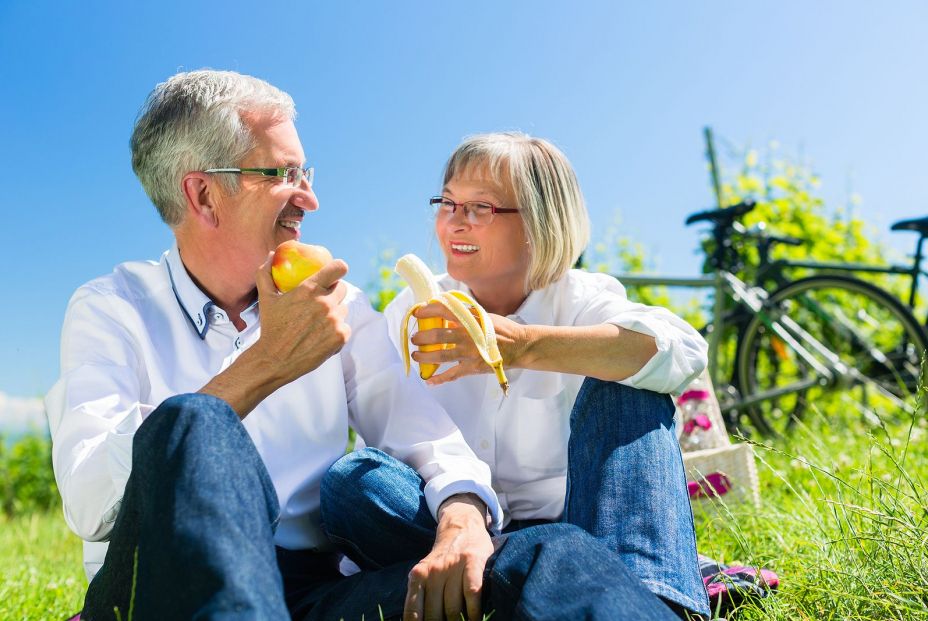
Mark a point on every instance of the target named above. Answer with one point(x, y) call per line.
point(194, 536)
point(626, 487)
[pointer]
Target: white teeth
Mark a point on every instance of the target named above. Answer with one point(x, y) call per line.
point(290, 224)
point(465, 247)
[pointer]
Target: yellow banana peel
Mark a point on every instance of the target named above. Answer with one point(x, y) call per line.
point(467, 312)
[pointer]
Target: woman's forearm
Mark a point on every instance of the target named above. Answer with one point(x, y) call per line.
point(607, 352)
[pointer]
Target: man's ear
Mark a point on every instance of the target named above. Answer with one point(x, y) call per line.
point(200, 196)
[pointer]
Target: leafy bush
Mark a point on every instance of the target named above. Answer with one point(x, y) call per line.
point(27, 482)
point(787, 197)
point(386, 284)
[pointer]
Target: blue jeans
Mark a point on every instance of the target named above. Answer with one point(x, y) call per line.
point(374, 508)
point(626, 487)
point(194, 535)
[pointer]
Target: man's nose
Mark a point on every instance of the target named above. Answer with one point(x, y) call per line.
point(304, 197)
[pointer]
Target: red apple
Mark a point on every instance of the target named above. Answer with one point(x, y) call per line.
point(295, 262)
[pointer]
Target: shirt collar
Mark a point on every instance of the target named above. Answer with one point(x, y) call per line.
point(192, 300)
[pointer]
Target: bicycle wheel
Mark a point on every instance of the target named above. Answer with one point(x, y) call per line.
point(868, 342)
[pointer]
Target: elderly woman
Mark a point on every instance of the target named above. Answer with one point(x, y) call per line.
point(585, 435)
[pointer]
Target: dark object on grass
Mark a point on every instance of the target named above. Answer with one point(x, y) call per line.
point(729, 586)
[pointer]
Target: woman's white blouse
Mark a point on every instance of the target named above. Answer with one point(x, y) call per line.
point(523, 436)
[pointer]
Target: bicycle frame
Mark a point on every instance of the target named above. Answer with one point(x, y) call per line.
point(753, 310)
point(752, 298)
point(913, 272)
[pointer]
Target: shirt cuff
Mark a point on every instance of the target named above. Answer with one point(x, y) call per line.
point(678, 360)
point(443, 486)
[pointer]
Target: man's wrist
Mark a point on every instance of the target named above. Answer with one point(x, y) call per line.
point(245, 383)
point(467, 499)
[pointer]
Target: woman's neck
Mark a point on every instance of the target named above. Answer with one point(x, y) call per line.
point(499, 300)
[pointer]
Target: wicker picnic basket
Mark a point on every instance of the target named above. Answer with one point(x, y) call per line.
point(716, 469)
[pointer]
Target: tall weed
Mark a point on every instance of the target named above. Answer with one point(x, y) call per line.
point(844, 520)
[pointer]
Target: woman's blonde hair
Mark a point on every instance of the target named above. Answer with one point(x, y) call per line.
point(539, 179)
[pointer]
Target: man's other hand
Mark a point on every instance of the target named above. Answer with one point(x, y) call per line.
point(448, 582)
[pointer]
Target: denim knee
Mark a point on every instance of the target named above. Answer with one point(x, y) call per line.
point(200, 436)
point(527, 579)
point(599, 402)
point(373, 507)
point(181, 414)
point(364, 459)
point(556, 537)
point(560, 534)
point(345, 481)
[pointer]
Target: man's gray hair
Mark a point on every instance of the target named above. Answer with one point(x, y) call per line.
point(539, 181)
point(193, 121)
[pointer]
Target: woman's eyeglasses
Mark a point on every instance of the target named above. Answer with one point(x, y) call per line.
point(477, 213)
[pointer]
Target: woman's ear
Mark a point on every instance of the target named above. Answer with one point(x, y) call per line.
point(200, 196)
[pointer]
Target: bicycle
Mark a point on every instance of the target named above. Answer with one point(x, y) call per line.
point(822, 339)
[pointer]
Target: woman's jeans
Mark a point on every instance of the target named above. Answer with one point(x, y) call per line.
point(626, 487)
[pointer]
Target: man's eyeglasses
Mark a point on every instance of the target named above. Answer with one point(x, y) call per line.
point(292, 175)
point(476, 212)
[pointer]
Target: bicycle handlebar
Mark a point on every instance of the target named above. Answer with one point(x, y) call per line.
point(759, 232)
point(725, 215)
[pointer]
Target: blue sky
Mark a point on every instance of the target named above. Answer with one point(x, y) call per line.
point(386, 90)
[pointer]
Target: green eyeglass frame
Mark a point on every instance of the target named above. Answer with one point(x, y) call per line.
point(293, 175)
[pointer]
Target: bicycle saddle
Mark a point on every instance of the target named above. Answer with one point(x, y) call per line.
point(726, 215)
point(919, 225)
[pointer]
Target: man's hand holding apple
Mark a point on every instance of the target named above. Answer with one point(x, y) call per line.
point(304, 326)
point(300, 328)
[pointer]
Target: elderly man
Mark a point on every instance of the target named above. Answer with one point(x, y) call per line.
point(194, 434)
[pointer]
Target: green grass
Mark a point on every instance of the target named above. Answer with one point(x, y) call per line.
point(41, 573)
point(843, 521)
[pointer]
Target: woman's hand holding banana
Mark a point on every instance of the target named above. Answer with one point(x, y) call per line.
point(465, 311)
point(460, 348)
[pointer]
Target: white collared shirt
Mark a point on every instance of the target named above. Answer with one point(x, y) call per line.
point(523, 436)
point(145, 332)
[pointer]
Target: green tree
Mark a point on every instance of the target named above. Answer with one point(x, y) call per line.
point(787, 194)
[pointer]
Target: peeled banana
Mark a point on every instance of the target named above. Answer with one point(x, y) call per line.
point(465, 309)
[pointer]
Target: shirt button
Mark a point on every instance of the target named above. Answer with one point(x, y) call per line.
point(199, 320)
point(484, 444)
point(238, 343)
